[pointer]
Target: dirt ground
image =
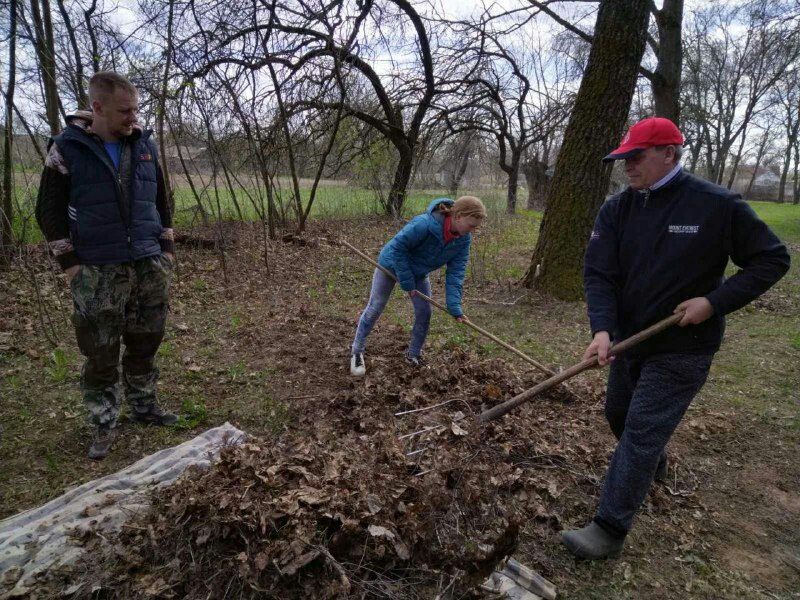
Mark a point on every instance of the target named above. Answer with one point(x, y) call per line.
point(268, 351)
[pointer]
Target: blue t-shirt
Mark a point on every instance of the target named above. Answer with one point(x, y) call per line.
point(114, 150)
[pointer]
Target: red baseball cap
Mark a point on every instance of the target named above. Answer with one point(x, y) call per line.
point(655, 131)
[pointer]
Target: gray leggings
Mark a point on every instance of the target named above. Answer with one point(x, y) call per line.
point(382, 286)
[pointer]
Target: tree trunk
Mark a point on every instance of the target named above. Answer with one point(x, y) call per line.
point(80, 85)
point(462, 161)
point(47, 64)
point(536, 180)
point(784, 176)
point(7, 214)
point(581, 180)
point(796, 190)
point(511, 192)
point(87, 17)
point(736, 160)
point(284, 117)
point(402, 175)
point(162, 109)
point(667, 81)
point(762, 148)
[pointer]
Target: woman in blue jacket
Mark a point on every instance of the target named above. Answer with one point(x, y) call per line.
point(439, 237)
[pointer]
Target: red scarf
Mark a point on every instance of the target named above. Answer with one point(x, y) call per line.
point(448, 235)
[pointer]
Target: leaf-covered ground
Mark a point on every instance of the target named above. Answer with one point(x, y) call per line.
point(330, 498)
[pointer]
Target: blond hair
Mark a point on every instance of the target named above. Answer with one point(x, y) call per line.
point(466, 206)
point(103, 83)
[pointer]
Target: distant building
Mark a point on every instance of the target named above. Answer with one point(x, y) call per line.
point(197, 156)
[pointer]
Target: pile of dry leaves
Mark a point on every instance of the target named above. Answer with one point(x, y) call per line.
point(366, 496)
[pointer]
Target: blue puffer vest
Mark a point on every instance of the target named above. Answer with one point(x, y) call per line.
point(102, 230)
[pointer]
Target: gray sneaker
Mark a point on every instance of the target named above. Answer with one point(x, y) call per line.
point(102, 443)
point(154, 415)
point(357, 366)
point(592, 543)
point(417, 361)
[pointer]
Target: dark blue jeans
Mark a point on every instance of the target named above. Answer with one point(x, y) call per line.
point(382, 286)
point(645, 400)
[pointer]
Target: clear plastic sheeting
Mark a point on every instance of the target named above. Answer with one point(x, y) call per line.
point(37, 540)
point(515, 581)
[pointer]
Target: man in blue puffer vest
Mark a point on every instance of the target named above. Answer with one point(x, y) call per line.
point(661, 247)
point(103, 209)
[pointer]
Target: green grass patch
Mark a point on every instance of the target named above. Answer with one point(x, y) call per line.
point(59, 368)
point(193, 414)
point(783, 219)
point(167, 351)
point(794, 340)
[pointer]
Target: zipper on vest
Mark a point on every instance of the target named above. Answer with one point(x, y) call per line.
point(646, 197)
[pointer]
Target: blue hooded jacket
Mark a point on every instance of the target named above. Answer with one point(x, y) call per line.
point(419, 248)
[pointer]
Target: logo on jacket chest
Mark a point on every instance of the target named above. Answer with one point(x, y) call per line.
point(683, 229)
point(145, 157)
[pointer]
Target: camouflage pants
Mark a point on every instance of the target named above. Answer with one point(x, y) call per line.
point(125, 302)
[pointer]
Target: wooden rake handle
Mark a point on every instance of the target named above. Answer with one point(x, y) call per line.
point(501, 409)
point(466, 322)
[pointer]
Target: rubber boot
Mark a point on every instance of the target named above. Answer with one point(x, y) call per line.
point(592, 543)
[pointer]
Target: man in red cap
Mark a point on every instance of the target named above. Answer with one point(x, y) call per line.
point(660, 247)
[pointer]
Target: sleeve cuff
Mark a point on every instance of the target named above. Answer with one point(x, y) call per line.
point(167, 245)
point(67, 260)
point(713, 299)
point(607, 327)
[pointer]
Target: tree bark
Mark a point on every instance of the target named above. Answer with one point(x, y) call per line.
point(796, 189)
point(784, 176)
point(736, 160)
point(536, 179)
point(80, 86)
point(402, 175)
point(47, 64)
point(581, 180)
point(666, 81)
point(162, 109)
point(513, 178)
point(87, 18)
point(762, 148)
point(461, 161)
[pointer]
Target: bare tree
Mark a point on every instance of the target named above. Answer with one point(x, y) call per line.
point(734, 57)
point(7, 213)
point(95, 52)
point(162, 104)
point(510, 92)
point(296, 40)
point(787, 96)
point(761, 150)
point(76, 76)
point(45, 50)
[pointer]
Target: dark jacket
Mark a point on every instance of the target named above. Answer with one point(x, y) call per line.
point(651, 250)
point(419, 248)
point(92, 213)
